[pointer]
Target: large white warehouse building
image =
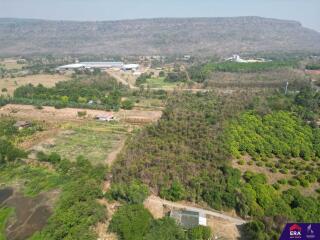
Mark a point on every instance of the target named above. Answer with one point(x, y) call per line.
point(98, 65)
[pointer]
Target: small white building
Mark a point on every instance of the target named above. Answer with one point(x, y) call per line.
point(105, 118)
point(130, 67)
point(189, 219)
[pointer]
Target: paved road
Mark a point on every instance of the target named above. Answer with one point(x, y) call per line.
point(234, 220)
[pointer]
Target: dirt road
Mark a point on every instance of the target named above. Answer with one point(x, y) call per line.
point(153, 200)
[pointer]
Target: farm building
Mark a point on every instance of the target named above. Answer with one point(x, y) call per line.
point(130, 67)
point(189, 219)
point(105, 118)
point(98, 65)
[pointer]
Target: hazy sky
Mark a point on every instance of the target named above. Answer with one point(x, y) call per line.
point(305, 11)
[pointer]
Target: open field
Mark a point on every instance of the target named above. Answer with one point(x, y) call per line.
point(70, 135)
point(160, 82)
point(11, 64)
point(94, 140)
point(45, 79)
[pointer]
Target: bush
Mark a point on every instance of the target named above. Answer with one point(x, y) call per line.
point(293, 182)
point(82, 113)
point(4, 90)
point(134, 193)
point(54, 158)
point(127, 104)
point(241, 162)
point(276, 186)
point(255, 230)
point(165, 229)
point(131, 222)
point(282, 181)
point(284, 171)
point(199, 233)
point(175, 192)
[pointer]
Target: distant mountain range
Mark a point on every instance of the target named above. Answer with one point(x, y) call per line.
point(168, 36)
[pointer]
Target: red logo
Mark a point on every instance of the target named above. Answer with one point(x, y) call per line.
point(295, 231)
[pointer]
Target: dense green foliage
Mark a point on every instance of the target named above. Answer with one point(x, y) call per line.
point(8, 152)
point(200, 73)
point(131, 222)
point(36, 180)
point(142, 79)
point(183, 156)
point(199, 233)
point(165, 229)
point(133, 193)
point(279, 133)
point(83, 91)
point(134, 222)
point(314, 66)
point(77, 209)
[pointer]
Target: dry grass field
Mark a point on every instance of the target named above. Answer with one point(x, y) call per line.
point(10, 64)
point(45, 79)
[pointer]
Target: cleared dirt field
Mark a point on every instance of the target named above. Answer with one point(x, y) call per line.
point(45, 79)
point(50, 114)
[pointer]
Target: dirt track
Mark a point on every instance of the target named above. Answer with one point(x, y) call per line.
point(158, 201)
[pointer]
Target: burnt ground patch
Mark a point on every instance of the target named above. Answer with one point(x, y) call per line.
point(5, 193)
point(30, 213)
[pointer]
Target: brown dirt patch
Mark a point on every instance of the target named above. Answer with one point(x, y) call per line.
point(51, 114)
point(31, 214)
point(223, 229)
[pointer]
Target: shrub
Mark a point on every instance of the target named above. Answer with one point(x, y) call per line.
point(284, 170)
point(127, 104)
point(293, 182)
point(131, 222)
point(165, 229)
point(276, 186)
point(54, 158)
point(259, 164)
point(241, 162)
point(133, 193)
point(82, 113)
point(175, 192)
point(282, 181)
point(199, 233)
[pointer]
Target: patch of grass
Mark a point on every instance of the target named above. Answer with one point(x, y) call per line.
point(160, 83)
point(5, 213)
point(35, 179)
point(94, 140)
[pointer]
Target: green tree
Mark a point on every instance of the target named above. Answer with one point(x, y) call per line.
point(131, 222)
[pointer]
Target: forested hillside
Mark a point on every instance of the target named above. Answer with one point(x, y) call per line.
point(198, 36)
point(189, 152)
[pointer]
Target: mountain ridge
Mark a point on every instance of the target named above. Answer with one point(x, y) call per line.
point(165, 36)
